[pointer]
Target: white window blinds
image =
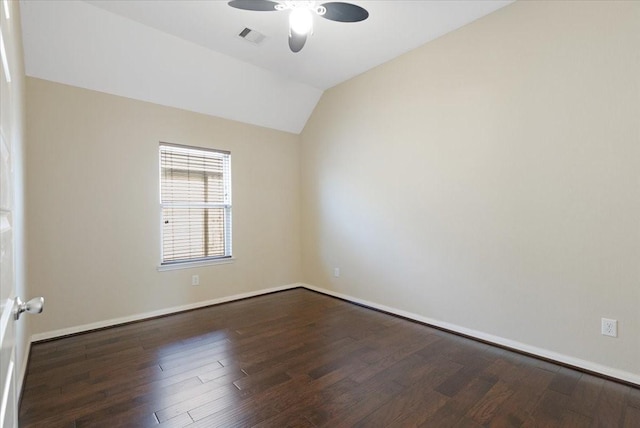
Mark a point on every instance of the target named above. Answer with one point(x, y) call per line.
point(195, 194)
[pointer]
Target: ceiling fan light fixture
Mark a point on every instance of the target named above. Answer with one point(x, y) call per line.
point(301, 15)
point(301, 20)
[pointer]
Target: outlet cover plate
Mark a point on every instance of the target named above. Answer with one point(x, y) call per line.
point(609, 327)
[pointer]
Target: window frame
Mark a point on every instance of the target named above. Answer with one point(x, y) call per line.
point(226, 206)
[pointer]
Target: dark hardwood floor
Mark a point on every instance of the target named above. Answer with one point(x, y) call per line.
point(301, 359)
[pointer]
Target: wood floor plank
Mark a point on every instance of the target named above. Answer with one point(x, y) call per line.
point(485, 409)
point(463, 377)
point(455, 409)
point(408, 409)
point(517, 409)
point(298, 407)
point(138, 410)
point(357, 411)
point(301, 359)
point(565, 381)
point(632, 417)
point(584, 397)
point(611, 406)
point(216, 396)
point(576, 420)
point(550, 410)
point(633, 397)
point(180, 421)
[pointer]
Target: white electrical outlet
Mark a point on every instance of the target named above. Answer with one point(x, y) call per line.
point(336, 272)
point(195, 279)
point(609, 327)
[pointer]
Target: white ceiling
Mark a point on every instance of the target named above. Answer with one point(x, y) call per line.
point(187, 54)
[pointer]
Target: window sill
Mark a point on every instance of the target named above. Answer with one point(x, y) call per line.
point(187, 265)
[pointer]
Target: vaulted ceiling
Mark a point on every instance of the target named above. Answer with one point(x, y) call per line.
point(188, 54)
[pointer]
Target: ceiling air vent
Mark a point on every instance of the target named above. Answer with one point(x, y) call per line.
point(251, 36)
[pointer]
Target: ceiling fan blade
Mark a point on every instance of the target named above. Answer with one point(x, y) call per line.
point(344, 12)
point(296, 41)
point(259, 5)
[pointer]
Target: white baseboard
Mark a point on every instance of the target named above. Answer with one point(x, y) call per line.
point(508, 343)
point(138, 317)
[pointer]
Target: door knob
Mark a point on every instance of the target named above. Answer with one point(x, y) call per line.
point(33, 306)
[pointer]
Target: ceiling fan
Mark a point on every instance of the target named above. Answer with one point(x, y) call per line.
point(301, 15)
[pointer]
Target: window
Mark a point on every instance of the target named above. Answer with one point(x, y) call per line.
point(195, 195)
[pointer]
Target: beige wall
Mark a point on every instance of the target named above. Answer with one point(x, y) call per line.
point(93, 206)
point(490, 180)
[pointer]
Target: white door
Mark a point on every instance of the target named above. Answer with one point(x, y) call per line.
point(8, 403)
